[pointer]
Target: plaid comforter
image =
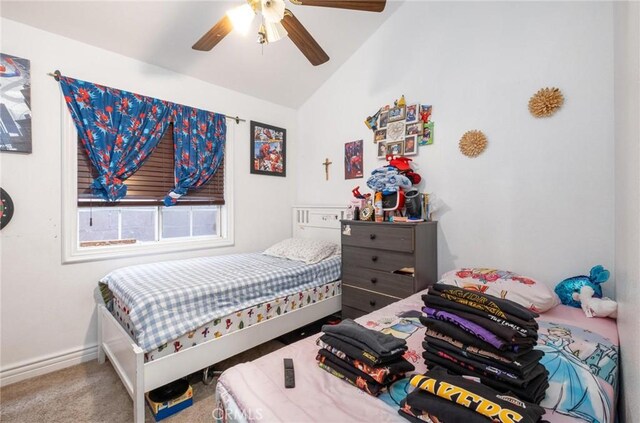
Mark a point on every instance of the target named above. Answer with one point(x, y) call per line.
point(168, 299)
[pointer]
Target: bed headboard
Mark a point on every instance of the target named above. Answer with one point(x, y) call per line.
point(318, 222)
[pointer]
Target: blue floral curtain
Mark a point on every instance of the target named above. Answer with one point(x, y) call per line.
point(118, 130)
point(199, 140)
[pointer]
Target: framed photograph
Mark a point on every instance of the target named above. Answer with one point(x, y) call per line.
point(396, 148)
point(353, 160)
point(395, 131)
point(413, 113)
point(380, 135)
point(411, 145)
point(15, 108)
point(268, 149)
point(382, 150)
point(427, 134)
point(414, 129)
point(396, 113)
point(384, 119)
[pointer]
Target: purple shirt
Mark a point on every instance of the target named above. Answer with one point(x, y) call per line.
point(473, 328)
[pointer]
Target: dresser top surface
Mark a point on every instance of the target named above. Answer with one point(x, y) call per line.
point(406, 224)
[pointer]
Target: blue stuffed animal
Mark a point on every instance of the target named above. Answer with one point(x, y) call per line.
point(569, 289)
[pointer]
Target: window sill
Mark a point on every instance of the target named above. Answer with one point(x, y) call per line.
point(111, 252)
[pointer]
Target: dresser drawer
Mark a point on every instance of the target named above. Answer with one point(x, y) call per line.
point(381, 236)
point(384, 282)
point(387, 261)
point(364, 300)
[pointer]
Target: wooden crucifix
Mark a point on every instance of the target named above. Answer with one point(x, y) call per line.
point(326, 168)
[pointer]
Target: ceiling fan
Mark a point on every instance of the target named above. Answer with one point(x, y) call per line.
point(278, 22)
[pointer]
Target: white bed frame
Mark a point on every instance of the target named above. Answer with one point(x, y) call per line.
point(139, 377)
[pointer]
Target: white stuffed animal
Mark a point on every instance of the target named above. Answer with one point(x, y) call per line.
point(597, 307)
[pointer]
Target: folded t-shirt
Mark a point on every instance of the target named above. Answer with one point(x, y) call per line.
point(378, 342)
point(358, 353)
point(477, 397)
point(489, 303)
point(384, 373)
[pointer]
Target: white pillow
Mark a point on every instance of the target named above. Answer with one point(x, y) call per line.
point(525, 291)
point(307, 250)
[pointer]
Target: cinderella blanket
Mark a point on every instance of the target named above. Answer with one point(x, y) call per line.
point(581, 355)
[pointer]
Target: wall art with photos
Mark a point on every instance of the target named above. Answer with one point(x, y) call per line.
point(401, 128)
point(268, 149)
point(353, 163)
point(15, 108)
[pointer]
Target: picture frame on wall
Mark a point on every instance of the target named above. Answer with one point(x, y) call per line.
point(397, 113)
point(411, 145)
point(395, 148)
point(384, 119)
point(427, 134)
point(414, 129)
point(353, 163)
point(268, 149)
point(15, 107)
point(413, 113)
point(382, 150)
point(380, 135)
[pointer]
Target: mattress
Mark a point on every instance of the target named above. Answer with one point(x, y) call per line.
point(232, 322)
point(581, 355)
point(166, 300)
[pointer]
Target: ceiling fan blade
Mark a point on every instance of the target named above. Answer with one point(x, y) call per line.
point(214, 35)
point(303, 40)
point(362, 5)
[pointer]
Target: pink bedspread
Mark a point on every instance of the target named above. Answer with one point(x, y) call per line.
point(581, 355)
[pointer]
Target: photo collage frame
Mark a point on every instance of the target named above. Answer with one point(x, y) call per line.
point(400, 129)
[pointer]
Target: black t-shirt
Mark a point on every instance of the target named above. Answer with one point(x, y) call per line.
point(534, 392)
point(489, 303)
point(477, 397)
point(421, 403)
point(467, 338)
point(441, 301)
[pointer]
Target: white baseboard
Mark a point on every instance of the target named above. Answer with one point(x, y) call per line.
point(46, 365)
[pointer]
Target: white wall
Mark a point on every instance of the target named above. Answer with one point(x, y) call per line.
point(47, 309)
point(540, 200)
point(627, 204)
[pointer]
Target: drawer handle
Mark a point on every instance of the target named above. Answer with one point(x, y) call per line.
point(372, 236)
point(372, 303)
point(374, 258)
point(374, 280)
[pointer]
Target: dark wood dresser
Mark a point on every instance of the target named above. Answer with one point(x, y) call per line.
point(385, 262)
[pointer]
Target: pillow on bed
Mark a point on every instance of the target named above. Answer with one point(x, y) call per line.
point(525, 291)
point(307, 250)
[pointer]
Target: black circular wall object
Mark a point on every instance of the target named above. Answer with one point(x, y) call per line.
point(6, 208)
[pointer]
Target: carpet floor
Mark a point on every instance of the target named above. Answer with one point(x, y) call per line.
point(91, 392)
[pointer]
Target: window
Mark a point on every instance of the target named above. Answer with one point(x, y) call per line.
point(140, 217)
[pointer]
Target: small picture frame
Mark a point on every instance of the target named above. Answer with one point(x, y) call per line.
point(414, 129)
point(413, 113)
point(427, 134)
point(382, 150)
point(384, 119)
point(395, 148)
point(380, 135)
point(411, 145)
point(397, 113)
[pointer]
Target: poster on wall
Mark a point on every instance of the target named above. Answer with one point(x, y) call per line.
point(353, 160)
point(15, 107)
point(268, 149)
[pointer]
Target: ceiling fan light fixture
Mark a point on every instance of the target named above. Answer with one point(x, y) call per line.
point(275, 31)
point(241, 18)
point(273, 10)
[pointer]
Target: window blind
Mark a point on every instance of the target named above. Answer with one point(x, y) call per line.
point(151, 182)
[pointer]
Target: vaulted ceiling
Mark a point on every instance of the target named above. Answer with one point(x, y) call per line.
point(162, 33)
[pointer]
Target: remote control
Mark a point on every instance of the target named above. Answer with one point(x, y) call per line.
point(289, 375)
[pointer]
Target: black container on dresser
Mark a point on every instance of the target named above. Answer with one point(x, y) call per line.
point(385, 262)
